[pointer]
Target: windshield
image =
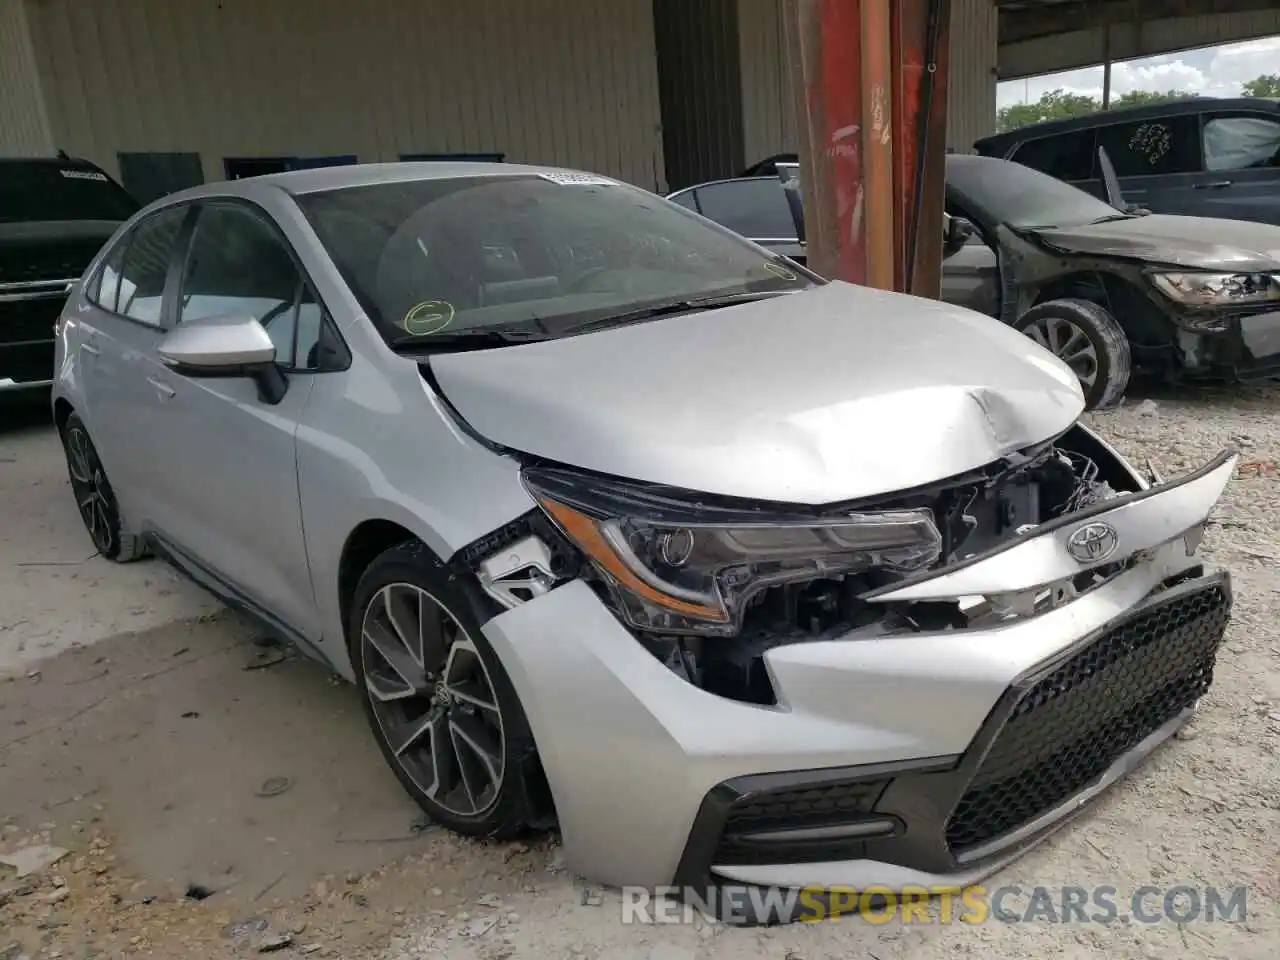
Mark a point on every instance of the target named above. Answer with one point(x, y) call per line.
point(44, 191)
point(538, 253)
point(1007, 192)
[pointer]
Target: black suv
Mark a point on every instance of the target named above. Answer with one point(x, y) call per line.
point(54, 215)
point(1202, 157)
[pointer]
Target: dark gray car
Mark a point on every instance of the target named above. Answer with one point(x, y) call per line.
point(1203, 156)
point(1104, 289)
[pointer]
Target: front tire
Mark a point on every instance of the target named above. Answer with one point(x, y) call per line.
point(1089, 340)
point(95, 498)
point(444, 712)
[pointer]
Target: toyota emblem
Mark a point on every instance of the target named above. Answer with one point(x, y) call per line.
point(1093, 542)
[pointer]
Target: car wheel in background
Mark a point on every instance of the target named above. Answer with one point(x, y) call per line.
point(1089, 340)
point(442, 709)
point(95, 499)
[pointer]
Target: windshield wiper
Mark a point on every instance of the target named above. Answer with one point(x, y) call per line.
point(669, 307)
point(1112, 218)
point(474, 339)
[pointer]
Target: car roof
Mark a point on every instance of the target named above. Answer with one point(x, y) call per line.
point(300, 182)
point(1149, 111)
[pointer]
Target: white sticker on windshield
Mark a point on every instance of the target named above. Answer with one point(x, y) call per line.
point(578, 179)
point(83, 175)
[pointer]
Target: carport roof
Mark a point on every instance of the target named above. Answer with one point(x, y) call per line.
point(1028, 19)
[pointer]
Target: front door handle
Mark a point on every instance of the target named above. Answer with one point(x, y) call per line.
point(166, 392)
point(1216, 185)
point(89, 348)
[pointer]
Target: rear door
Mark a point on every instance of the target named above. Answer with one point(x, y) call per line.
point(1158, 162)
point(120, 330)
point(1241, 179)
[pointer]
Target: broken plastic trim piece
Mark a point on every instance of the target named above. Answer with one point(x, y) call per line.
point(1139, 521)
point(518, 573)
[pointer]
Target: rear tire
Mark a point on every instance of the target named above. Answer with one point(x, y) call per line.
point(95, 498)
point(1088, 339)
point(442, 708)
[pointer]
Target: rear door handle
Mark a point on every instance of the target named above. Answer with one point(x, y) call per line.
point(90, 349)
point(1216, 185)
point(162, 388)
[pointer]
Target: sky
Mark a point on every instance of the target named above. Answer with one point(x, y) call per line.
point(1209, 71)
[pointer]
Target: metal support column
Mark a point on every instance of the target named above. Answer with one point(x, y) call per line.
point(870, 78)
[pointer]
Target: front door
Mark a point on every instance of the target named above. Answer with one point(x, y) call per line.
point(227, 457)
point(1242, 165)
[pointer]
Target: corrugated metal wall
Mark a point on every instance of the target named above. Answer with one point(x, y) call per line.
point(971, 91)
point(24, 125)
point(769, 109)
point(1084, 48)
point(569, 82)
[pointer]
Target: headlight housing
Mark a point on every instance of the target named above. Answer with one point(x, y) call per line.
point(1218, 289)
point(676, 566)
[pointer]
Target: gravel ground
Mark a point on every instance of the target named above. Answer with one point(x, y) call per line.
point(1202, 812)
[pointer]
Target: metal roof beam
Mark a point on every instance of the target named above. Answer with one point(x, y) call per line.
point(1031, 19)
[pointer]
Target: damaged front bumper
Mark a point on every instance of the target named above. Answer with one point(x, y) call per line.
point(929, 757)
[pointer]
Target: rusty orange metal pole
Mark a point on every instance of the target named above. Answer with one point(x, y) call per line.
point(878, 134)
point(870, 86)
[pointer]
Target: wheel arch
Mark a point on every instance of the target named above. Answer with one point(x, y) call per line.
point(364, 543)
point(62, 411)
point(1118, 295)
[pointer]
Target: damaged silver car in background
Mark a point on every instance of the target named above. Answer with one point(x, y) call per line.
point(622, 524)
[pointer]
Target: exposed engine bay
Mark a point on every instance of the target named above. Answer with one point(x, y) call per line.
point(785, 601)
point(974, 514)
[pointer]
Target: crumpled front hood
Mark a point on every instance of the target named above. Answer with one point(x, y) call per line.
point(835, 393)
point(1204, 243)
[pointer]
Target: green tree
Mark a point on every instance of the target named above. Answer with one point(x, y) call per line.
point(1267, 85)
point(1053, 105)
point(1141, 98)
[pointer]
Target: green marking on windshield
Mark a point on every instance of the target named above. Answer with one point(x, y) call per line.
point(428, 317)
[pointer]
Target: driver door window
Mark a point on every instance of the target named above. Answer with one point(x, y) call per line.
point(238, 265)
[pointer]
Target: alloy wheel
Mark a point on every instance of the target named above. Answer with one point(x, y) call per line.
point(432, 699)
point(1069, 344)
point(93, 496)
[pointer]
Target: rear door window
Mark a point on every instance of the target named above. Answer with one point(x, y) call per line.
point(1152, 148)
point(145, 266)
point(1066, 156)
point(756, 209)
point(1241, 142)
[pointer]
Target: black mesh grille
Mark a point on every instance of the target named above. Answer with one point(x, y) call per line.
point(1073, 723)
point(821, 804)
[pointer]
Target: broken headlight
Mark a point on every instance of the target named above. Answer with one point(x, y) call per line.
point(688, 568)
point(1217, 289)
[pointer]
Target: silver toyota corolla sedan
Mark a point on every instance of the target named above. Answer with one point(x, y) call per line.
point(621, 523)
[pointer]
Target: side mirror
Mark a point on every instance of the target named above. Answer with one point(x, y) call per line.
point(956, 233)
point(226, 346)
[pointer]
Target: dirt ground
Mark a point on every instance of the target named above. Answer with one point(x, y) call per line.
point(217, 796)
